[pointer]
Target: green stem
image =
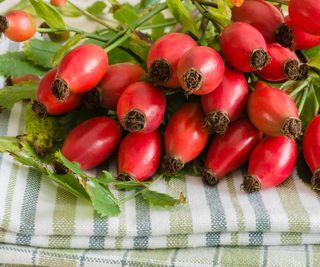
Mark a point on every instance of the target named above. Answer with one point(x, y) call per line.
point(299, 88)
point(283, 2)
point(206, 14)
point(70, 29)
point(90, 16)
point(122, 36)
point(207, 3)
point(303, 99)
point(156, 26)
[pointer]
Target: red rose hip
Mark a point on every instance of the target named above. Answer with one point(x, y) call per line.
point(58, 3)
point(260, 14)
point(271, 162)
point(17, 25)
point(185, 137)
point(92, 141)
point(244, 47)
point(306, 15)
point(229, 151)
point(200, 70)
point(163, 58)
point(47, 103)
point(141, 107)
point(226, 103)
point(284, 65)
point(117, 78)
point(80, 70)
point(274, 113)
point(139, 156)
point(311, 149)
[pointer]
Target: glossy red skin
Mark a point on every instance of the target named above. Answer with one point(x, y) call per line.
point(145, 98)
point(258, 85)
point(58, 2)
point(273, 160)
point(185, 137)
point(268, 108)
point(45, 96)
point(139, 155)
point(230, 97)
point(83, 67)
point(274, 71)
point(302, 39)
point(170, 47)
point(237, 42)
point(311, 144)
point(306, 15)
point(92, 141)
point(229, 151)
point(21, 26)
point(117, 78)
point(208, 62)
point(25, 78)
point(260, 14)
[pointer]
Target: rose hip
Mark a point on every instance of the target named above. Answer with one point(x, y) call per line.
point(229, 151)
point(91, 142)
point(284, 65)
point(226, 103)
point(184, 138)
point(260, 14)
point(244, 47)
point(271, 162)
point(291, 36)
point(200, 70)
point(80, 70)
point(311, 149)
point(139, 156)
point(274, 113)
point(163, 58)
point(117, 78)
point(47, 103)
point(141, 107)
point(306, 15)
point(17, 25)
point(55, 36)
point(58, 3)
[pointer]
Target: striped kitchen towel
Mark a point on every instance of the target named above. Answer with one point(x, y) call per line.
point(42, 223)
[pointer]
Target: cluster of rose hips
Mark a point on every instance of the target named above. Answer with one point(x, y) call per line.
point(176, 61)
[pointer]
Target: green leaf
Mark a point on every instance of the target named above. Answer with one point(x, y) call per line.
point(159, 199)
point(222, 14)
point(97, 8)
point(9, 144)
point(10, 95)
point(126, 14)
point(118, 55)
point(72, 166)
point(49, 13)
point(157, 32)
point(182, 15)
point(41, 52)
point(313, 56)
point(130, 185)
point(105, 178)
point(69, 10)
point(16, 64)
point(310, 108)
point(66, 47)
point(102, 199)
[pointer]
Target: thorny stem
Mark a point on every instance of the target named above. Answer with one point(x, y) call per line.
point(95, 18)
